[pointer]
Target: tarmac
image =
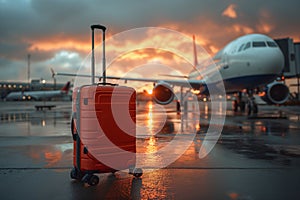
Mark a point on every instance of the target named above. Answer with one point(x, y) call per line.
point(254, 158)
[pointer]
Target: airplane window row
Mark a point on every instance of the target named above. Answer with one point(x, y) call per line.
point(256, 44)
point(12, 86)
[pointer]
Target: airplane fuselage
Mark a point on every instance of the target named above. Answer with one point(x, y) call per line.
point(34, 95)
point(38, 95)
point(248, 62)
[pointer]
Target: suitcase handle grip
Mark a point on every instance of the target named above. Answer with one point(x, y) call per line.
point(98, 26)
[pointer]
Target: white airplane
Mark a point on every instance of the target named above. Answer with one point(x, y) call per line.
point(250, 62)
point(247, 63)
point(38, 95)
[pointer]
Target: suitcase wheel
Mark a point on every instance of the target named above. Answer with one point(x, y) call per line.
point(75, 174)
point(90, 179)
point(137, 172)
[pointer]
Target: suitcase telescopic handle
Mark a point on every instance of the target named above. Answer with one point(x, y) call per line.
point(103, 28)
point(98, 26)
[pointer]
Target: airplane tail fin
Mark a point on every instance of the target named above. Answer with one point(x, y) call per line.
point(66, 87)
point(195, 52)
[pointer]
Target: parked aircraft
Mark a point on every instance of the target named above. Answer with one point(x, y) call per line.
point(250, 62)
point(38, 95)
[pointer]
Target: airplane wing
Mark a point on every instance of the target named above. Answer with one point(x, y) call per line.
point(175, 82)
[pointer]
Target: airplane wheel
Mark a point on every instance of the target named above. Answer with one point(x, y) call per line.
point(242, 106)
point(235, 106)
point(255, 109)
point(249, 109)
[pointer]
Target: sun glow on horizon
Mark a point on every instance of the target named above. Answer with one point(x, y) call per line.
point(150, 91)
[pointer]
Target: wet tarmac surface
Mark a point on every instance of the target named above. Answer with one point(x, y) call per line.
point(255, 158)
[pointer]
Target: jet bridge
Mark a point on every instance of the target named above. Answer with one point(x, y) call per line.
point(291, 52)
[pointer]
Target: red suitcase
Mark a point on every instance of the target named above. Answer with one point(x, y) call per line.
point(103, 129)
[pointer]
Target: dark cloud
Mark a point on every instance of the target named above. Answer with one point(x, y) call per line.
point(13, 51)
point(283, 15)
point(13, 70)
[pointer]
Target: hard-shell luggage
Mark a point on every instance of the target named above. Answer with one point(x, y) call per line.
point(103, 127)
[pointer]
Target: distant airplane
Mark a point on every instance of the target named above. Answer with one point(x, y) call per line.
point(245, 64)
point(38, 95)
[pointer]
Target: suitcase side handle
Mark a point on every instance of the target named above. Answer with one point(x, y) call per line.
point(73, 129)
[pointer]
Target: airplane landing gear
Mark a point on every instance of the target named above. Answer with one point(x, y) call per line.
point(235, 105)
point(240, 102)
point(245, 100)
point(252, 106)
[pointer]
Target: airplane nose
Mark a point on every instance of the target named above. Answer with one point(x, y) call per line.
point(278, 60)
point(273, 61)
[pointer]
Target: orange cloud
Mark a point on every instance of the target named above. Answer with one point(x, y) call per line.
point(59, 44)
point(161, 42)
point(265, 24)
point(122, 48)
point(149, 59)
point(263, 27)
point(239, 28)
point(296, 38)
point(230, 11)
point(213, 49)
point(208, 34)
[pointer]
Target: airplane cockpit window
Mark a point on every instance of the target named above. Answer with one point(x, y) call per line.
point(241, 47)
point(271, 44)
point(247, 46)
point(258, 44)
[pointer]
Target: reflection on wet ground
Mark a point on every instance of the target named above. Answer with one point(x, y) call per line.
point(250, 153)
point(274, 140)
point(36, 139)
point(272, 136)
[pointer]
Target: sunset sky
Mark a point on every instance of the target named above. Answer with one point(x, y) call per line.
point(56, 33)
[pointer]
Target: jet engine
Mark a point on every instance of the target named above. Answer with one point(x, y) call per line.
point(163, 93)
point(276, 93)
